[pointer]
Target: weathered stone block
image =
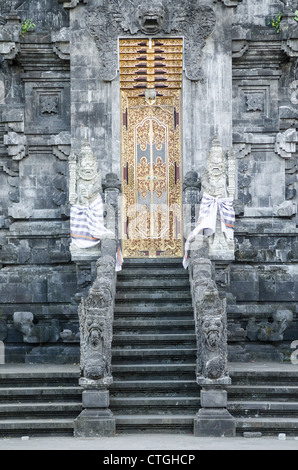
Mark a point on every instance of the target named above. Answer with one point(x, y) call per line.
point(95, 399)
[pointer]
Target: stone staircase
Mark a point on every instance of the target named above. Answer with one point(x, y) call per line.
point(154, 349)
point(38, 400)
point(264, 398)
point(154, 355)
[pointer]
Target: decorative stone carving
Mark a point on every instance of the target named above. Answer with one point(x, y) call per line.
point(96, 323)
point(211, 335)
point(96, 316)
point(84, 189)
point(36, 333)
point(61, 145)
point(72, 3)
point(213, 419)
point(270, 331)
point(10, 34)
point(49, 104)
point(17, 145)
point(61, 44)
point(218, 180)
point(116, 18)
point(84, 177)
point(254, 102)
point(286, 143)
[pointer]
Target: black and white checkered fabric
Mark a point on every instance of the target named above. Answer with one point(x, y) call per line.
point(209, 209)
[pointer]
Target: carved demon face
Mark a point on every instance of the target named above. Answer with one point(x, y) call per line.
point(87, 169)
point(95, 333)
point(212, 329)
point(151, 17)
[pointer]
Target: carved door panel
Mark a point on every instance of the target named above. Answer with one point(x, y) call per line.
point(151, 164)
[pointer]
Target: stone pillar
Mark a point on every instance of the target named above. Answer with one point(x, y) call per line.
point(111, 186)
point(213, 419)
point(96, 330)
point(96, 420)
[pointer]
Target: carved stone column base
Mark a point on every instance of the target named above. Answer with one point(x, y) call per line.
point(213, 419)
point(96, 420)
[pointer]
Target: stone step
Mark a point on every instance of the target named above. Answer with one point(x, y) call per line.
point(149, 311)
point(152, 356)
point(156, 325)
point(167, 371)
point(155, 405)
point(267, 426)
point(143, 272)
point(154, 388)
point(23, 394)
point(263, 408)
point(155, 423)
point(152, 262)
point(153, 295)
point(36, 427)
point(170, 282)
point(263, 392)
point(269, 377)
point(39, 378)
point(158, 340)
point(40, 410)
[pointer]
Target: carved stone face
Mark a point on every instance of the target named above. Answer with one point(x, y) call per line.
point(95, 333)
point(212, 329)
point(150, 17)
point(87, 169)
point(216, 159)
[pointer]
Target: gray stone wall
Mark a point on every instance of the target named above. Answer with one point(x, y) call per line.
point(52, 96)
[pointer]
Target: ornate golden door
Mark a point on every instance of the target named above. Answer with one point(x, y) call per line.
point(150, 78)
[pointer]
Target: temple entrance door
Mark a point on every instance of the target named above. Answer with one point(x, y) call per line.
point(151, 148)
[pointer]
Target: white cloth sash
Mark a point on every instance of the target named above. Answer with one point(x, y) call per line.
point(87, 227)
point(207, 219)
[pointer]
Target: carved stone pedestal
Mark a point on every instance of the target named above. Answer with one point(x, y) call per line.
point(213, 419)
point(96, 420)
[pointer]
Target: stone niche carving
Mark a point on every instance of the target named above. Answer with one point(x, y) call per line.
point(125, 17)
point(96, 318)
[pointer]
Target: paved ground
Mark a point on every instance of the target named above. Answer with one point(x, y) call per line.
point(148, 443)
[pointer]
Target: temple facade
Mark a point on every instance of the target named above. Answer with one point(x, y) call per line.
point(145, 108)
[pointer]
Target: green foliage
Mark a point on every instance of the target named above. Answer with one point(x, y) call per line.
point(296, 16)
point(275, 22)
point(27, 25)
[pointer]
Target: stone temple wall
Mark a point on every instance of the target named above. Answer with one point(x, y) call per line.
point(53, 94)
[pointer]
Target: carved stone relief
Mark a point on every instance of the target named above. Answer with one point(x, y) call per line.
point(211, 320)
point(185, 18)
point(218, 180)
point(96, 317)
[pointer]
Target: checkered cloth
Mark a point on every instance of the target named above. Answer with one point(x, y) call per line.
point(87, 227)
point(210, 206)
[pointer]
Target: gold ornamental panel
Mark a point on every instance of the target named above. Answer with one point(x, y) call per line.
point(151, 155)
